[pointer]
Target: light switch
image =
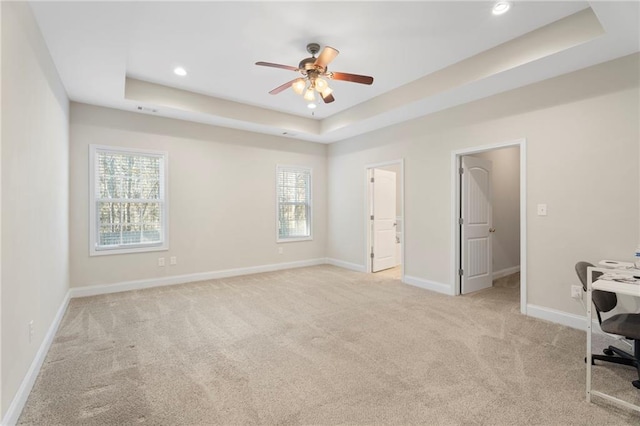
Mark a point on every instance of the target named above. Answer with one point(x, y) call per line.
point(542, 209)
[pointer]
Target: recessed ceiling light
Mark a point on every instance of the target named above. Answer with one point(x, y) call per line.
point(180, 71)
point(311, 106)
point(501, 7)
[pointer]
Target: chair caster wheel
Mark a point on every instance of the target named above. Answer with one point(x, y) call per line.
point(608, 352)
point(636, 383)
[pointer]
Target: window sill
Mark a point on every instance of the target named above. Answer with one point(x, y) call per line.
point(106, 252)
point(293, 240)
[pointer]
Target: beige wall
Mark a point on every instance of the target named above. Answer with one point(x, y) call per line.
point(35, 267)
point(221, 196)
point(582, 132)
point(505, 182)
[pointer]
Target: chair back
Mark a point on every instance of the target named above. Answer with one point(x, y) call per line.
point(604, 301)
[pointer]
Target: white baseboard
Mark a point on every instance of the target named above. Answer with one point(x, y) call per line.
point(505, 272)
point(428, 285)
point(19, 400)
point(578, 322)
point(346, 265)
point(182, 279)
point(559, 317)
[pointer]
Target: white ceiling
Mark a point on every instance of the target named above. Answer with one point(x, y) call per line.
point(97, 45)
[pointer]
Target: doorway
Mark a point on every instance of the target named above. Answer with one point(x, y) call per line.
point(384, 218)
point(489, 223)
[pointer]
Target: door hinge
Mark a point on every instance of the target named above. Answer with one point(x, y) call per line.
point(461, 170)
point(460, 221)
point(461, 272)
point(371, 217)
point(372, 255)
point(373, 180)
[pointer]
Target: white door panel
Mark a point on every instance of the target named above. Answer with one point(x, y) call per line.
point(476, 253)
point(384, 220)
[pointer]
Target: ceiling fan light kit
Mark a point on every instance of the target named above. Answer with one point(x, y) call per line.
point(310, 95)
point(321, 84)
point(298, 86)
point(315, 74)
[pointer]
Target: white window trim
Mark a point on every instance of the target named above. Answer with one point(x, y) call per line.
point(93, 219)
point(294, 239)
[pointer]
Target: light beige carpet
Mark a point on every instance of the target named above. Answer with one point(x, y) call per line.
point(318, 345)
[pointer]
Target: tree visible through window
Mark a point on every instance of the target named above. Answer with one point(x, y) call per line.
point(294, 203)
point(129, 201)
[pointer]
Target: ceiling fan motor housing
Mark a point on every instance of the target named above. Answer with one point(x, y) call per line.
point(308, 65)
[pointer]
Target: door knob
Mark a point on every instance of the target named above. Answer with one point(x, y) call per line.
point(492, 229)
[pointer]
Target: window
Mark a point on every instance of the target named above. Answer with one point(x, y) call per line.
point(294, 203)
point(128, 200)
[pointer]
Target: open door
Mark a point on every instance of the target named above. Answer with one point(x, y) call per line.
point(476, 227)
point(383, 220)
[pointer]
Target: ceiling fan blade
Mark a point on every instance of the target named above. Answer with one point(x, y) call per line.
point(328, 99)
point(283, 87)
point(354, 78)
point(327, 55)
point(284, 67)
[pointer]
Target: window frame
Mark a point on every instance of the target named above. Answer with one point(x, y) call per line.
point(309, 170)
point(164, 199)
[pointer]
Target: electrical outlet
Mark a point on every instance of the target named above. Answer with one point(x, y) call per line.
point(161, 261)
point(30, 331)
point(280, 250)
point(173, 260)
point(576, 291)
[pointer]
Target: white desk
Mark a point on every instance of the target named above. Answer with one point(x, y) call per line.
point(618, 288)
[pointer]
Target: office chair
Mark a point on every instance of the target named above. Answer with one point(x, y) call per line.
point(626, 325)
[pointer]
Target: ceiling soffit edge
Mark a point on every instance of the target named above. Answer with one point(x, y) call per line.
point(556, 37)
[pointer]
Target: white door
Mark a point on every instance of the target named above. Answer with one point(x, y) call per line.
point(383, 235)
point(476, 249)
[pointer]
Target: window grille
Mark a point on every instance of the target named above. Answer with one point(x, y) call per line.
point(294, 203)
point(129, 205)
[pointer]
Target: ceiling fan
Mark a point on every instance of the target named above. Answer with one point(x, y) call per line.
point(314, 74)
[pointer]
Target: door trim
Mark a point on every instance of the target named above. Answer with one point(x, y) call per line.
point(455, 208)
point(366, 214)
